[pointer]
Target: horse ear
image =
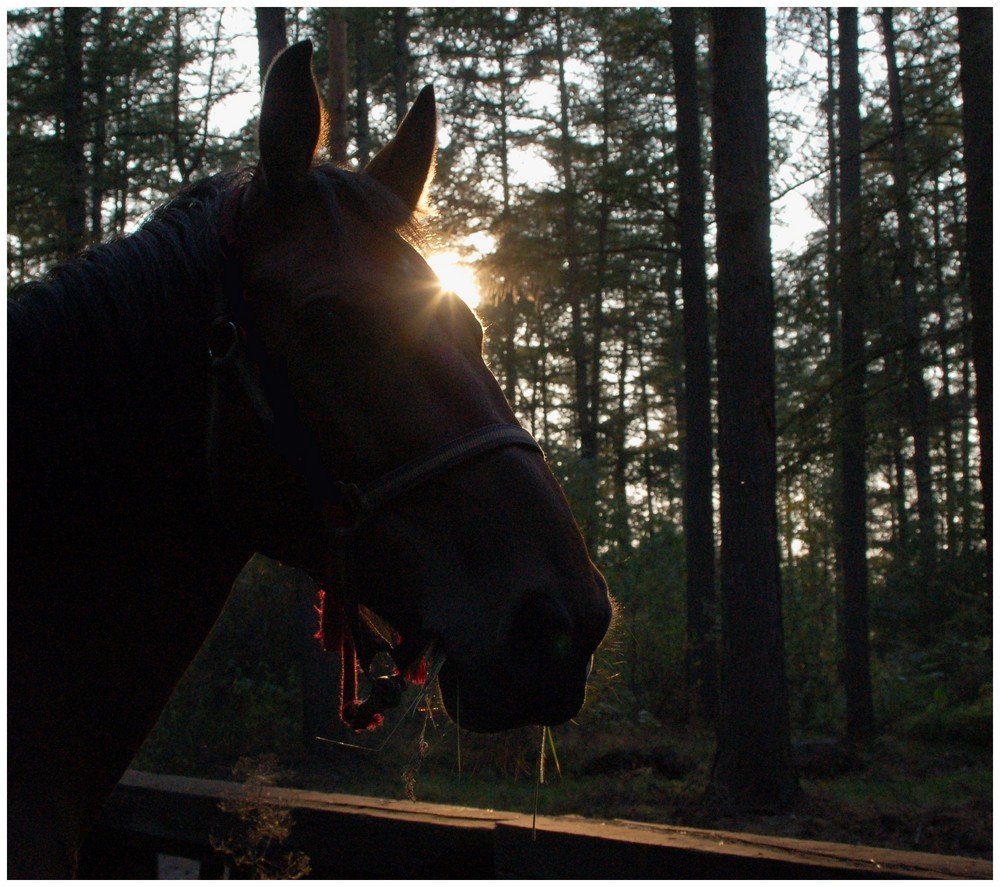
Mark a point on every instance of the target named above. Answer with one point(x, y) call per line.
point(406, 164)
point(290, 117)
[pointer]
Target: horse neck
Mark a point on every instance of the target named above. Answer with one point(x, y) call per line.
point(116, 574)
point(107, 402)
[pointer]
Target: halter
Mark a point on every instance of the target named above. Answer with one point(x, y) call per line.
point(236, 351)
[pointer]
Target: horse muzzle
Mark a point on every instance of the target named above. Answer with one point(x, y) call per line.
point(537, 672)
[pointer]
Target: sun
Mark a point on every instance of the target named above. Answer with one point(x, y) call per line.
point(456, 276)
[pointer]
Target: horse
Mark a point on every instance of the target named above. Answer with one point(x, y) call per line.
point(268, 365)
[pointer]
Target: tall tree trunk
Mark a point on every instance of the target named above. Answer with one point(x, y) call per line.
point(947, 406)
point(587, 434)
point(97, 173)
point(178, 140)
point(594, 381)
point(647, 461)
point(832, 247)
point(898, 489)
point(620, 531)
point(336, 99)
point(852, 533)
point(123, 162)
point(508, 291)
point(74, 199)
point(753, 759)
point(401, 61)
point(917, 398)
point(271, 36)
point(832, 193)
point(975, 44)
point(361, 82)
point(702, 655)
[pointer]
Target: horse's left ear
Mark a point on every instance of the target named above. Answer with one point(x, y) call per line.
point(406, 164)
point(290, 117)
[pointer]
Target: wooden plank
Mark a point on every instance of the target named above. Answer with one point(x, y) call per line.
point(351, 836)
point(568, 847)
point(343, 835)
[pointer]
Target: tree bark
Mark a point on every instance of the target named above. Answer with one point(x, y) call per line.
point(336, 102)
point(917, 398)
point(179, 142)
point(271, 36)
point(975, 44)
point(753, 759)
point(947, 407)
point(702, 655)
point(586, 432)
point(74, 196)
point(361, 82)
point(98, 177)
point(852, 534)
point(401, 61)
point(595, 362)
point(508, 292)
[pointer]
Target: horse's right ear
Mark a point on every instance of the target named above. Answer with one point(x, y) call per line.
point(406, 164)
point(291, 118)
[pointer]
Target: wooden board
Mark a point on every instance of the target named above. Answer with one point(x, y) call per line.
point(351, 836)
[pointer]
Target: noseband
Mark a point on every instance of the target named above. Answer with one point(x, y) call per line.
point(237, 353)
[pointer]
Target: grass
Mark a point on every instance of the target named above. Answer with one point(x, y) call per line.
point(910, 794)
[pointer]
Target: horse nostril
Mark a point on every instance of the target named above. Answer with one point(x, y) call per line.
point(540, 637)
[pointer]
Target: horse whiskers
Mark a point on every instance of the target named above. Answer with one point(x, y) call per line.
point(458, 728)
point(539, 779)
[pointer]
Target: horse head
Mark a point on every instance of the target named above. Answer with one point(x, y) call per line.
point(481, 557)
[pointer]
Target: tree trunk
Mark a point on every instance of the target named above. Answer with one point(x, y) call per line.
point(401, 61)
point(586, 433)
point(619, 530)
point(901, 545)
point(74, 199)
point(965, 449)
point(361, 80)
point(975, 44)
point(753, 759)
point(336, 44)
point(508, 290)
point(832, 192)
point(832, 249)
point(702, 655)
point(123, 161)
point(594, 381)
point(178, 140)
point(647, 434)
point(852, 534)
point(947, 406)
point(271, 37)
point(97, 149)
point(917, 399)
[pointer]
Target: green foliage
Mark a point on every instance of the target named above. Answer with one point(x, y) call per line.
point(242, 695)
point(649, 636)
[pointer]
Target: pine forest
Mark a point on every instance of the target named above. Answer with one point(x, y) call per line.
point(735, 272)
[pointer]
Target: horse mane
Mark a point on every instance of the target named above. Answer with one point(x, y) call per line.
point(111, 296)
point(112, 327)
point(113, 286)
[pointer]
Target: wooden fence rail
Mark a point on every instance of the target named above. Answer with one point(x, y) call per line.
point(153, 820)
